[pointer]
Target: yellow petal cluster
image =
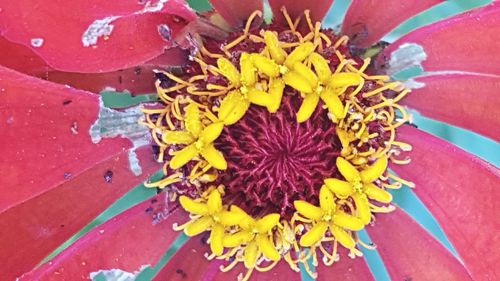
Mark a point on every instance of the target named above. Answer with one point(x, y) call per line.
point(231, 228)
point(198, 139)
point(359, 185)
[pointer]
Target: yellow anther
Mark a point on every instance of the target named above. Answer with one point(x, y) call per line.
point(248, 71)
point(212, 132)
point(307, 73)
point(347, 170)
point(298, 82)
point(332, 102)
point(341, 188)
point(374, 171)
point(299, 54)
point(183, 156)
point(272, 43)
point(233, 107)
point(276, 87)
point(228, 70)
point(192, 119)
point(265, 65)
point(345, 79)
point(193, 206)
point(307, 107)
point(177, 137)
point(321, 67)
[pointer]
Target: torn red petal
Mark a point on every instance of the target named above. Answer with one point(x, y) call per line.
point(461, 191)
point(133, 239)
point(409, 252)
point(366, 21)
point(42, 223)
point(89, 39)
point(467, 42)
point(236, 12)
point(318, 9)
point(45, 136)
point(466, 100)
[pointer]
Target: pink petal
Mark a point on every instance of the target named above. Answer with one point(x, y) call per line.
point(466, 42)
point(34, 228)
point(461, 191)
point(366, 21)
point(123, 35)
point(129, 241)
point(345, 269)
point(318, 9)
point(236, 12)
point(410, 252)
point(189, 263)
point(465, 100)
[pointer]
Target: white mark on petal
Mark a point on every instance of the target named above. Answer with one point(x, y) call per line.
point(112, 123)
point(406, 56)
point(413, 84)
point(117, 274)
point(37, 42)
point(96, 29)
point(151, 6)
point(133, 162)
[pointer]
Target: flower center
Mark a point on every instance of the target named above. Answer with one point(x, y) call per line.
point(276, 159)
point(276, 141)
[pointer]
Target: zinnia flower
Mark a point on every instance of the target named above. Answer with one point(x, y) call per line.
point(274, 140)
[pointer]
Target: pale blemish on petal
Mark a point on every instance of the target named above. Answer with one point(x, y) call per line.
point(98, 28)
point(36, 42)
point(413, 84)
point(116, 274)
point(406, 56)
point(112, 123)
point(103, 27)
point(153, 6)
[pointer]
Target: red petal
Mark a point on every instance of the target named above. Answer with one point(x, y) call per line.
point(21, 58)
point(465, 100)
point(236, 12)
point(47, 150)
point(189, 263)
point(41, 224)
point(129, 241)
point(137, 80)
point(45, 134)
point(411, 253)
point(461, 191)
point(367, 21)
point(345, 269)
point(65, 43)
point(467, 42)
point(296, 9)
